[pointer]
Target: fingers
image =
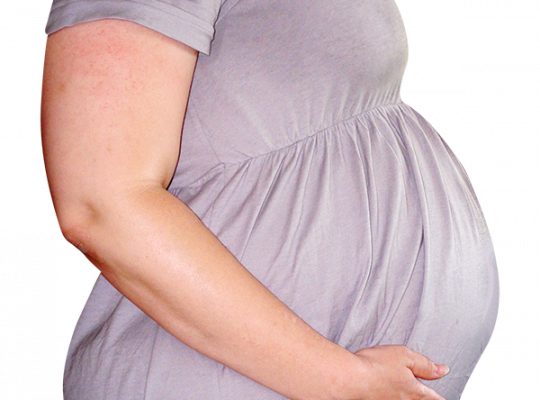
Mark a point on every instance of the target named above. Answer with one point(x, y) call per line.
point(427, 393)
point(391, 373)
point(423, 367)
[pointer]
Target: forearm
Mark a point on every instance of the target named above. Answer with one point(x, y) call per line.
point(156, 252)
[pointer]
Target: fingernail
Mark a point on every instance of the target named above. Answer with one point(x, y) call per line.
point(442, 369)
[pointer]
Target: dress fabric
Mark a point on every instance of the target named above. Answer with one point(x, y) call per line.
point(299, 154)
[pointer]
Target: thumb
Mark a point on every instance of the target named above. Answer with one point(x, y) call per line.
point(422, 367)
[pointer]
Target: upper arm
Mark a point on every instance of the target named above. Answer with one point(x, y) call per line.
point(114, 99)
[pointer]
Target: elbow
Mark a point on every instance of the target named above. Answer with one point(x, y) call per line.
point(77, 224)
point(77, 234)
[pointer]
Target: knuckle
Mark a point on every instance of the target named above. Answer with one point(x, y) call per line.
point(410, 355)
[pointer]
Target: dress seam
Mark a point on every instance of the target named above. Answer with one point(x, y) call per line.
point(319, 132)
point(361, 114)
point(223, 165)
point(225, 8)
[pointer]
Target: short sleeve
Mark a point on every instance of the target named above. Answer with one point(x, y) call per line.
point(189, 21)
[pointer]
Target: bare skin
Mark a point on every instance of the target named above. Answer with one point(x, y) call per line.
point(114, 99)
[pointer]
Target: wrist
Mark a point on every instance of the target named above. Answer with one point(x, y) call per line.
point(347, 378)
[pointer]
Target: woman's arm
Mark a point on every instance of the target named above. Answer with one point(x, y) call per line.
point(114, 99)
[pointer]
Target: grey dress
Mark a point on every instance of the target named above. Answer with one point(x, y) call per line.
point(298, 153)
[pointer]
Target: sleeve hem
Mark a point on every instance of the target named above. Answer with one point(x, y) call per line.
point(171, 21)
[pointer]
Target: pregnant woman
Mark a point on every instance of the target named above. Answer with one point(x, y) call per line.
point(269, 218)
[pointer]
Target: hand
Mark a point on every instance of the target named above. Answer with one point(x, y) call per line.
point(391, 372)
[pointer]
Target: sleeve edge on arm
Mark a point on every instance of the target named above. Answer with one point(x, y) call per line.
point(166, 19)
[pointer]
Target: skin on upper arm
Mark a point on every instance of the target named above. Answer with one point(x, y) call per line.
point(114, 100)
